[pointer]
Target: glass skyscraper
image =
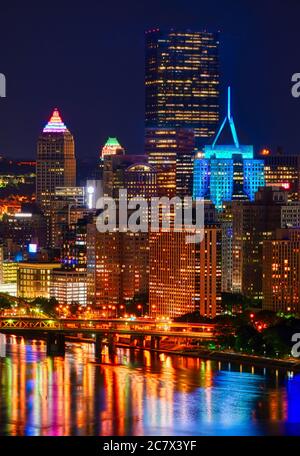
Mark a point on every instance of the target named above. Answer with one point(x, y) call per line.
point(182, 81)
point(227, 173)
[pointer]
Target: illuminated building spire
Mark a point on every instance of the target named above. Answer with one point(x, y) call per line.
point(55, 124)
point(112, 147)
point(228, 118)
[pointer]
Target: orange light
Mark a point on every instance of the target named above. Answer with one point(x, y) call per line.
point(265, 152)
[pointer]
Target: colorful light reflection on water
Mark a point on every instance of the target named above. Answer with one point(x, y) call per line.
point(139, 393)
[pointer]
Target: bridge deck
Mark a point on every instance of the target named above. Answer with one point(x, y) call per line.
point(113, 326)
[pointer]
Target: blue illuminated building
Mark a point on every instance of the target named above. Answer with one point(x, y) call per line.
point(230, 172)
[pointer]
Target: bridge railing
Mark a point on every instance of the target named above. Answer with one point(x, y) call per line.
point(109, 325)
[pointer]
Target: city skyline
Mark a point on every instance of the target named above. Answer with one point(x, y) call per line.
point(119, 111)
point(150, 222)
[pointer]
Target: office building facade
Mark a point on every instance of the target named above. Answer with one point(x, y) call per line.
point(283, 170)
point(34, 279)
point(254, 223)
point(117, 268)
point(185, 277)
point(182, 80)
point(171, 152)
point(281, 271)
point(68, 287)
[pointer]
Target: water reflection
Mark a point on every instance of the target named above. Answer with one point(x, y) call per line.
point(139, 393)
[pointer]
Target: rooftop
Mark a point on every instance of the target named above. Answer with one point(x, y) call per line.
point(55, 124)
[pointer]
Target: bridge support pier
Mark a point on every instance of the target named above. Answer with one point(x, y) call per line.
point(55, 344)
point(98, 345)
point(141, 342)
point(137, 341)
point(112, 345)
point(132, 339)
point(155, 342)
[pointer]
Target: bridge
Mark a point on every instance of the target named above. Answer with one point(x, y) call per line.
point(141, 333)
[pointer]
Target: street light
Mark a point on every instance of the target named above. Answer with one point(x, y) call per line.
point(121, 309)
point(140, 307)
point(153, 307)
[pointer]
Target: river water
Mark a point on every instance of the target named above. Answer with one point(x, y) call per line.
point(139, 393)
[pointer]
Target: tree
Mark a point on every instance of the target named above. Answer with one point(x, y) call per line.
point(5, 303)
point(236, 302)
point(48, 306)
point(193, 317)
point(278, 338)
point(249, 340)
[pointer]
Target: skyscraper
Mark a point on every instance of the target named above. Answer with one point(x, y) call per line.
point(115, 171)
point(284, 171)
point(56, 163)
point(118, 261)
point(141, 181)
point(111, 147)
point(117, 267)
point(67, 206)
point(171, 152)
point(182, 80)
point(229, 172)
point(290, 215)
point(254, 223)
point(185, 277)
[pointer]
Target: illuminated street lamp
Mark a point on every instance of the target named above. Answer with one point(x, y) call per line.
point(154, 309)
point(140, 308)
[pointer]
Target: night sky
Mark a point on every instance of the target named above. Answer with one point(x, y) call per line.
point(88, 60)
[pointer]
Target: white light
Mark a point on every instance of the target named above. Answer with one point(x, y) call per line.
point(22, 214)
point(90, 190)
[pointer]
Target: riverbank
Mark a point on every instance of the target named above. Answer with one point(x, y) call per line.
point(286, 364)
point(228, 356)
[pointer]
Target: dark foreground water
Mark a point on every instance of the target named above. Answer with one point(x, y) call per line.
point(139, 393)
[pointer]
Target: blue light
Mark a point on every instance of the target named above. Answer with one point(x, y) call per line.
point(227, 172)
point(201, 178)
point(254, 177)
point(32, 248)
point(18, 257)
